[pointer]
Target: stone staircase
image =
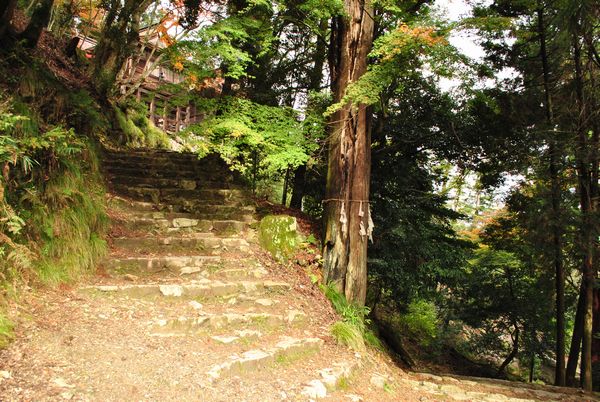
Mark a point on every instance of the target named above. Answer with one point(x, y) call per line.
point(187, 307)
point(182, 246)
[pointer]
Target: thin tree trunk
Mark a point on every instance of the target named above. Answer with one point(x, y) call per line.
point(314, 84)
point(575, 348)
point(298, 188)
point(587, 233)
point(347, 193)
point(559, 374)
point(286, 181)
point(513, 353)
point(531, 367)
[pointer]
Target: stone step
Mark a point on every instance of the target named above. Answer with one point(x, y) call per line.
point(184, 225)
point(179, 219)
point(203, 322)
point(162, 173)
point(285, 350)
point(194, 289)
point(331, 378)
point(248, 335)
point(161, 182)
point(130, 205)
point(159, 157)
point(173, 244)
point(159, 263)
point(181, 196)
point(224, 269)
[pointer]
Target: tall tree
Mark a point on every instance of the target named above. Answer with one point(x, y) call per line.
point(554, 155)
point(346, 212)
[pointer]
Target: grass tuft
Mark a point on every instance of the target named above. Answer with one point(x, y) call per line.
point(348, 334)
point(6, 330)
point(352, 330)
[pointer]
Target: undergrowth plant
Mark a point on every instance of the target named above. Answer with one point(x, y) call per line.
point(52, 213)
point(352, 330)
point(139, 131)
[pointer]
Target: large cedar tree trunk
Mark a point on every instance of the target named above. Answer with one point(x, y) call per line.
point(346, 205)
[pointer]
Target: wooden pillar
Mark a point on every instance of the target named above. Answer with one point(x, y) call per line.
point(188, 111)
point(177, 119)
point(165, 116)
point(138, 95)
point(152, 111)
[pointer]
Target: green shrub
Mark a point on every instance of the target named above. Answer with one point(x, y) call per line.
point(421, 321)
point(6, 330)
point(353, 329)
point(139, 131)
point(53, 217)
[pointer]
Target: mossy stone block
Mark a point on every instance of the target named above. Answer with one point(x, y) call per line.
point(278, 235)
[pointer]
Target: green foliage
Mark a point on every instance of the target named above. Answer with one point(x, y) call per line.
point(6, 330)
point(52, 212)
point(353, 329)
point(259, 141)
point(139, 131)
point(347, 334)
point(401, 49)
point(421, 321)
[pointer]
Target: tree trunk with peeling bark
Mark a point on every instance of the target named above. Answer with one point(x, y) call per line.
point(346, 205)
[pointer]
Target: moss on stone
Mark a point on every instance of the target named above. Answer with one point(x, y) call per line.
point(278, 235)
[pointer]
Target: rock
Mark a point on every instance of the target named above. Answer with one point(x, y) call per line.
point(295, 315)
point(454, 392)
point(195, 305)
point(278, 235)
point(187, 184)
point(225, 339)
point(315, 389)
point(184, 222)
point(264, 302)
point(353, 398)
point(62, 383)
point(189, 270)
point(171, 290)
point(5, 374)
point(378, 381)
point(130, 277)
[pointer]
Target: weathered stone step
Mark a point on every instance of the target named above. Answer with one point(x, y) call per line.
point(286, 349)
point(159, 263)
point(223, 269)
point(162, 182)
point(193, 325)
point(163, 245)
point(172, 173)
point(330, 378)
point(161, 156)
point(197, 207)
point(194, 289)
point(487, 389)
point(181, 196)
point(180, 219)
point(185, 225)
